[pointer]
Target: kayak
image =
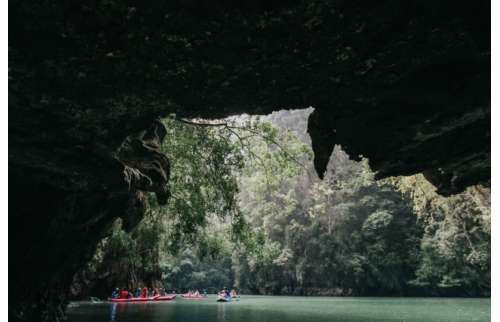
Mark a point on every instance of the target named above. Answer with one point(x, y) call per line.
point(165, 297)
point(222, 298)
point(146, 299)
point(193, 297)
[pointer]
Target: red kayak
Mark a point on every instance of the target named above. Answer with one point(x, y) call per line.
point(146, 299)
point(193, 297)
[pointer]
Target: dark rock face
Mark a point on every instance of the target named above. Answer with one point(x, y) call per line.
point(404, 83)
point(451, 147)
point(59, 214)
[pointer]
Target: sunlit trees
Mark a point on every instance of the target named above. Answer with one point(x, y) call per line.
point(247, 210)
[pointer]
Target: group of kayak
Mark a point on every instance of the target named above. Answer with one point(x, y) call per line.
point(141, 295)
point(146, 295)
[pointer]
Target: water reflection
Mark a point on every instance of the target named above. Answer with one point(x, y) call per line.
point(221, 312)
point(288, 309)
point(143, 306)
point(113, 312)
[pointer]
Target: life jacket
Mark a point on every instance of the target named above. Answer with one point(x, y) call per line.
point(123, 294)
point(144, 292)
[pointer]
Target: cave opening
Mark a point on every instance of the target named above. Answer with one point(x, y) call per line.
point(387, 194)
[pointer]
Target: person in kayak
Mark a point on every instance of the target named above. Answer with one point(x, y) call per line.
point(116, 293)
point(233, 293)
point(137, 292)
point(144, 292)
point(225, 292)
point(123, 294)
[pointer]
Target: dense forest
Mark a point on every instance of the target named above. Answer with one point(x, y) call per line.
point(247, 210)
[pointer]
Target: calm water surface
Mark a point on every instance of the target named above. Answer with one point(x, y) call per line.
point(287, 309)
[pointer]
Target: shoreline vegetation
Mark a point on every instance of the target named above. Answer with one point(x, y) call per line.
point(247, 211)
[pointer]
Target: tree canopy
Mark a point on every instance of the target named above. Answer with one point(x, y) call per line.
point(248, 211)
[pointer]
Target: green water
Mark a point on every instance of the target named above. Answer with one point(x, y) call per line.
point(288, 309)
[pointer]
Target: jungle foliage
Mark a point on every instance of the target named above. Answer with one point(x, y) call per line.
point(248, 211)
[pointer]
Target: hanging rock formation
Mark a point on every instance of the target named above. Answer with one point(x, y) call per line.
point(404, 83)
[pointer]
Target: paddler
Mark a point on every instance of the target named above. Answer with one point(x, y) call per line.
point(124, 294)
point(144, 292)
point(116, 293)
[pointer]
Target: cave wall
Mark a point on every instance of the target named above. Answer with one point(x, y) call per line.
point(404, 83)
point(57, 218)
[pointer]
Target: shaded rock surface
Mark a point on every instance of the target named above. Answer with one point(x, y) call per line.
point(405, 84)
